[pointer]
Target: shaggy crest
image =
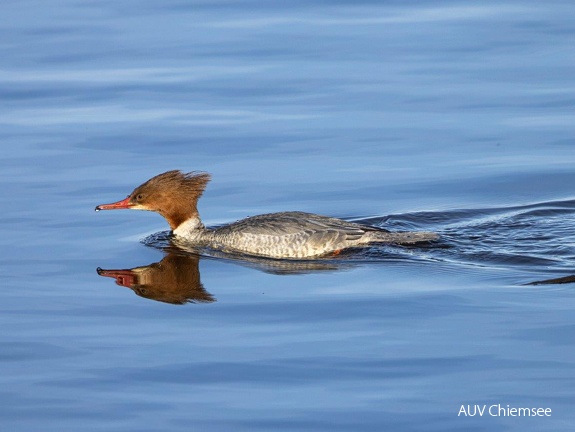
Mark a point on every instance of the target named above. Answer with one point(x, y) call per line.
point(172, 194)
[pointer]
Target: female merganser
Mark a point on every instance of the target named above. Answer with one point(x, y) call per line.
point(295, 235)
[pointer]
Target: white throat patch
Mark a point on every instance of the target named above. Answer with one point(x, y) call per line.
point(190, 228)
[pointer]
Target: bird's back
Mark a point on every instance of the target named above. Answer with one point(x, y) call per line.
point(297, 235)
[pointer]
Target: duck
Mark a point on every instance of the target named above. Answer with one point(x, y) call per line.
point(284, 235)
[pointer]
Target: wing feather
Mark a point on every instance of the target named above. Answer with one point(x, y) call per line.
point(300, 223)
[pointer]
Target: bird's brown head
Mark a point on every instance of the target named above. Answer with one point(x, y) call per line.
point(173, 194)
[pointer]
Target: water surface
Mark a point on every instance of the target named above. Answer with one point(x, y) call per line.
point(449, 117)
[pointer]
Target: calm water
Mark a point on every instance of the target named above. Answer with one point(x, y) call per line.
point(454, 116)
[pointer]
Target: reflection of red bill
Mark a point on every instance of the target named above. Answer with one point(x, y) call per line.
point(123, 204)
point(125, 278)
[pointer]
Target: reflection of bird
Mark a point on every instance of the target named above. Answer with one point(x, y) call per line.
point(175, 279)
point(174, 195)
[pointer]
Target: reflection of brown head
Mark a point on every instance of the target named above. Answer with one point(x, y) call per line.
point(175, 279)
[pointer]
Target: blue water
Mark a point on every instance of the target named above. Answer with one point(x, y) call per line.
point(449, 116)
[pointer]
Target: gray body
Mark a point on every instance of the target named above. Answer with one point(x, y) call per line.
point(296, 235)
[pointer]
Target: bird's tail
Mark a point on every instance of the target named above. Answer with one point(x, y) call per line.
point(403, 238)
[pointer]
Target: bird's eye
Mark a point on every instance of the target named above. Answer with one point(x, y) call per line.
point(139, 197)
